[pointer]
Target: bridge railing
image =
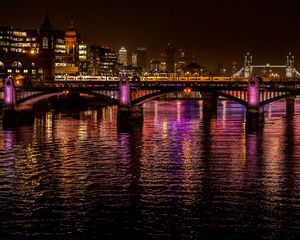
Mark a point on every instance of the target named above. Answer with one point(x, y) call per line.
point(86, 78)
point(146, 78)
point(149, 78)
point(188, 79)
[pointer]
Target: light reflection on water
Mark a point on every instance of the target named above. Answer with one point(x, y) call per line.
point(179, 176)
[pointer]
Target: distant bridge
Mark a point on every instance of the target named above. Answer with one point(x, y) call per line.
point(247, 70)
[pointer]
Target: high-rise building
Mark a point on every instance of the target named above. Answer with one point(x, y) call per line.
point(122, 57)
point(95, 60)
point(134, 59)
point(104, 61)
point(142, 58)
point(155, 65)
point(108, 61)
point(181, 61)
point(170, 58)
point(83, 58)
point(163, 66)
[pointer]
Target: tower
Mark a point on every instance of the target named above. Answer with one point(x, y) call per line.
point(71, 38)
point(46, 49)
point(289, 65)
point(247, 65)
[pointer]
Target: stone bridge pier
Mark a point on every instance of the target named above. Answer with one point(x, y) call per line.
point(128, 114)
point(9, 102)
point(11, 112)
point(290, 106)
point(254, 113)
point(210, 104)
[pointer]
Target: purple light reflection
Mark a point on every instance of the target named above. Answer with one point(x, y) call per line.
point(124, 91)
point(9, 92)
point(253, 92)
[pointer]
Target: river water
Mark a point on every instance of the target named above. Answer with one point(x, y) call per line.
point(72, 175)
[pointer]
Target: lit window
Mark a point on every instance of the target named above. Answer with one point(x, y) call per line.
point(45, 43)
point(16, 64)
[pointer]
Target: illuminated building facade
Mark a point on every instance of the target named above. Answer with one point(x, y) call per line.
point(24, 65)
point(18, 51)
point(122, 57)
point(104, 61)
point(83, 58)
point(71, 39)
point(181, 61)
point(12, 40)
point(67, 52)
point(134, 59)
point(155, 65)
point(41, 53)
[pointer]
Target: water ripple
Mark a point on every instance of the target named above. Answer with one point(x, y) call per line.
point(178, 176)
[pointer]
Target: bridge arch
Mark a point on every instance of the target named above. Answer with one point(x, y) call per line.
point(268, 101)
point(40, 96)
point(233, 98)
point(155, 95)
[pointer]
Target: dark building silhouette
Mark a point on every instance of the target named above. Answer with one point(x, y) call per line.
point(142, 58)
point(46, 41)
point(170, 58)
point(195, 69)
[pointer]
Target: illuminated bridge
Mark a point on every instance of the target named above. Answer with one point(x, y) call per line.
point(251, 92)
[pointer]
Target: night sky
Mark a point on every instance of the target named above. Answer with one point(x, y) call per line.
point(212, 31)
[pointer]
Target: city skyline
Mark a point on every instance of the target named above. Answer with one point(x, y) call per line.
point(214, 32)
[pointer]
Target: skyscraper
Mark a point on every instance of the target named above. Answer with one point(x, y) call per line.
point(122, 57)
point(170, 58)
point(142, 58)
point(134, 59)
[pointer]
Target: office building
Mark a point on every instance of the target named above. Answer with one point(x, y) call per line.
point(142, 58)
point(122, 57)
